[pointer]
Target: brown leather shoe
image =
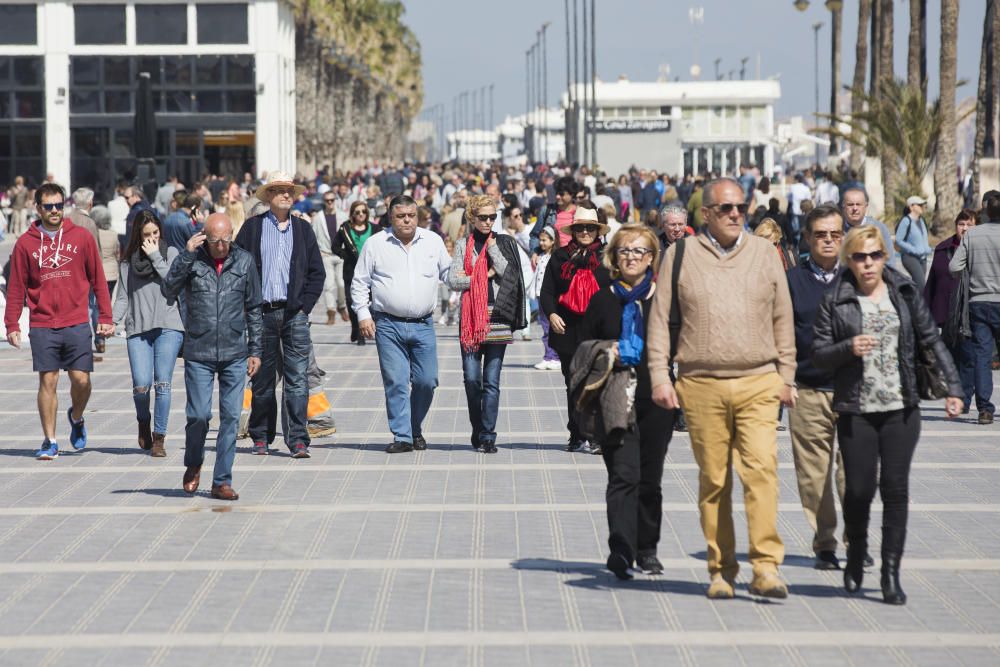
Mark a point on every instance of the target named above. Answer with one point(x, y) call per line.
point(192, 476)
point(224, 492)
point(145, 435)
point(99, 345)
point(159, 451)
point(331, 316)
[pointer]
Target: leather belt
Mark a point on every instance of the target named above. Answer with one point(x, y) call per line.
point(410, 320)
point(271, 306)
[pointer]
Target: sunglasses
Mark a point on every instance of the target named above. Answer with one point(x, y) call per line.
point(482, 217)
point(827, 235)
point(586, 229)
point(361, 211)
point(53, 207)
point(860, 257)
point(329, 201)
point(726, 209)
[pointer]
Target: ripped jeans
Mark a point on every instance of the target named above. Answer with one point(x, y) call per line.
point(152, 356)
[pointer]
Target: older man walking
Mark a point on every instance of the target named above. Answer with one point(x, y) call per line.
point(735, 355)
point(394, 292)
point(291, 274)
point(222, 339)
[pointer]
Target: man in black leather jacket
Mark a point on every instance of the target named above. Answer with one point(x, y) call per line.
point(222, 338)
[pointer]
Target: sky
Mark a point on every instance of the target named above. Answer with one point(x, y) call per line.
point(467, 44)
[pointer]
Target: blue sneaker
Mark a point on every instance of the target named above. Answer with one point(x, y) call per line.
point(49, 451)
point(77, 431)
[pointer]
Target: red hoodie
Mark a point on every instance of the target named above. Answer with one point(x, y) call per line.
point(56, 275)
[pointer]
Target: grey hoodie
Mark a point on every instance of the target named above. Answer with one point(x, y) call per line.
point(979, 252)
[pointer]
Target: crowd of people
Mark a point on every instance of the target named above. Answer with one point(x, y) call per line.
point(698, 304)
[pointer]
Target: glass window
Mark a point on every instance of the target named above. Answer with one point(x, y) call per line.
point(28, 142)
point(150, 64)
point(176, 71)
point(28, 72)
point(209, 70)
point(86, 71)
point(4, 112)
point(161, 24)
point(186, 142)
point(84, 101)
point(222, 24)
point(209, 102)
point(117, 101)
point(730, 126)
point(99, 24)
point(177, 101)
point(18, 24)
point(241, 101)
point(715, 123)
point(239, 69)
point(29, 105)
point(89, 143)
point(122, 145)
point(116, 71)
point(4, 70)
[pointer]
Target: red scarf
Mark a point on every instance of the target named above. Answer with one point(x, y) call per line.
point(475, 323)
point(579, 270)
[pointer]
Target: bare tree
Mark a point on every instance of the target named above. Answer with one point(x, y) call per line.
point(945, 166)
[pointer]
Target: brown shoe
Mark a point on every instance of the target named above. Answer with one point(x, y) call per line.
point(99, 345)
point(145, 435)
point(192, 477)
point(720, 588)
point(159, 451)
point(331, 316)
point(224, 492)
point(768, 585)
point(985, 417)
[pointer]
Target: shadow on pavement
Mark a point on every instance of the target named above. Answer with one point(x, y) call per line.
point(793, 560)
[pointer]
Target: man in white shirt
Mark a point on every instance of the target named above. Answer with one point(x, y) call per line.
point(394, 291)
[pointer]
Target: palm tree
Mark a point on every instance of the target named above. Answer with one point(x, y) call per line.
point(858, 85)
point(890, 159)
point(945, 167)
point(836, 17)
point(987, 92)
point(916, 63)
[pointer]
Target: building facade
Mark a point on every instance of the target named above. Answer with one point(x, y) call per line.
point(679, 127)
point(223, 81)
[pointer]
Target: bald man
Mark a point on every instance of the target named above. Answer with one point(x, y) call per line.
point(222, 338)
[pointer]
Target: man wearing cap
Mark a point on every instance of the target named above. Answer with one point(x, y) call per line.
point(291, 272)
point(854, 205)
point(911, 239)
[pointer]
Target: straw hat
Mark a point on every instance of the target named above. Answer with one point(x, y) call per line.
point(587, 216)
point(278, 179)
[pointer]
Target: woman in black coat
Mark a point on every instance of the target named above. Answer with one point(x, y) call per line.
point(635, 462)
point(347, 244)
point(869, 331)
point(572, 277)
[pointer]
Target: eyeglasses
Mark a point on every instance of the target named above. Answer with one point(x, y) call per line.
point(219, 241)
point(58, 206)
point(633, 252)
point(585, 229)
point(726, 209)
point(860, 257)
point(482, 217)
point(827, 235)
point(362, 212)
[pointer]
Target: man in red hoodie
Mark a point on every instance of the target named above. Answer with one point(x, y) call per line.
point(54, 266)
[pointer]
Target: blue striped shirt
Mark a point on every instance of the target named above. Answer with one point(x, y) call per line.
point(275, 258)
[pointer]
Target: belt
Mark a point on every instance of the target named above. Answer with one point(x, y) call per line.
point(410, 320)
point(271, 306)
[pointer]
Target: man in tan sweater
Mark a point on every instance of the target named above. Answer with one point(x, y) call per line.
point(736, 361)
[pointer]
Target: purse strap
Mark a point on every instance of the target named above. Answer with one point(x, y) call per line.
point(674, 323)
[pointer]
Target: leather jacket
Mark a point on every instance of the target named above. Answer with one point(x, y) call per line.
point(222, 318)
point(839, 320)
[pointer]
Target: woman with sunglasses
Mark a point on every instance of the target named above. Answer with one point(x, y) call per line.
point(347, 244)
point(486, 269)
point(573, 275)
point(870, 329)
point(153, 326)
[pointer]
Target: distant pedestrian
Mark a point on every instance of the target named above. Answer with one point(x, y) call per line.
point(347, 244)
point(394, 291)
point(222, 340)
point(912, 239)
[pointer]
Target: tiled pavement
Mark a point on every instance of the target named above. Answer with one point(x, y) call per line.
point(444, 557)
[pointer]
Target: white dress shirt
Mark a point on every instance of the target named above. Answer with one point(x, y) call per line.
point(403, 279)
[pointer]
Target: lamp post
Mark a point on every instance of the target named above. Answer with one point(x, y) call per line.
point(545, 92)
point(816, 27)
point(569, 85)
point(586, 92)
point(593, 81)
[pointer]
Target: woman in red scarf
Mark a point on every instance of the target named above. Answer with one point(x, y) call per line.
point(574, 274)
point(487, 271)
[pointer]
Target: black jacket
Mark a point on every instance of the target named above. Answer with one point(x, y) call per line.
point(553, 287)
point(839, 320)
point(343, 247)
point(306, 275)
point(509, 300)
point(603, 321)
point(223, 319)
point(807, 292)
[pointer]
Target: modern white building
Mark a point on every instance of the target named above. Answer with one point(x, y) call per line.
point(680, 127)
point(473, 146)
point(223, 81)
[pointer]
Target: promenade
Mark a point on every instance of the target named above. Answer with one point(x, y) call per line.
point(443, 557)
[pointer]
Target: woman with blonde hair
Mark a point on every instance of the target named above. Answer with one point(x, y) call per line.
point(236, 214)
point(872, 331)
point(770, 230)
point(620, 313)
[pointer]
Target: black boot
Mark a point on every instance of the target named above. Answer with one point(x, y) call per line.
point(892, 553)
point(854, 568)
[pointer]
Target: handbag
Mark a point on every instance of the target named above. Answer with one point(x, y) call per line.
point(957, 328)
point(931, 382)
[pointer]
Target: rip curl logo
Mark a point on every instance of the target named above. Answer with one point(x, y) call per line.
point(56, 260)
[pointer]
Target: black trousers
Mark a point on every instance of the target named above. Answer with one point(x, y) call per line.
point(869, 442)
point(635, 473)
point(564, 362)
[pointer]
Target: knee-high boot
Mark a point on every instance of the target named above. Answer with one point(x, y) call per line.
point(892, 552)
point(857, 548)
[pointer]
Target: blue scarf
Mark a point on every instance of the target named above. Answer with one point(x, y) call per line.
point(630, 343)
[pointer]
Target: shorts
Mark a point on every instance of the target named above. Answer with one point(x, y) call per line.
point(65, 348)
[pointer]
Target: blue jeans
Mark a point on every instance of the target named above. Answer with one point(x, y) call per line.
point(407, 357)
point(286, 350)
point(152, 356)
point(984, 319)
point(964, 355)
point(198, 380)
point(482, 389)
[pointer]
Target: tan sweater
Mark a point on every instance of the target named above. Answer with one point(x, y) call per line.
point(736, 313)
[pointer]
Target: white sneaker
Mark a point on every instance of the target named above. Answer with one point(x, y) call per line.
point(542, 366)
point(554, 365)
point(443, 319)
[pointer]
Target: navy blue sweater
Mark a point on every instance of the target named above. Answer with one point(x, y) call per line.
point(807, 291)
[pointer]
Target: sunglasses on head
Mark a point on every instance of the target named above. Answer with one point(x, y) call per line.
point(726, 209)
point(483, 217)
point(58, 206)
point(860, 257)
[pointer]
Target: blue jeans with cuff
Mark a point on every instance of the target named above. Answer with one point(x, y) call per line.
point(152, 356)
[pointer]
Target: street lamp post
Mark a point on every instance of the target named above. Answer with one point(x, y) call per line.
point(569, 85)
point(586, 92)
point(816, 27)
point(593, 81)
point(545, 92)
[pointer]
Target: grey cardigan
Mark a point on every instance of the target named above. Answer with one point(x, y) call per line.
point(141, 303)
